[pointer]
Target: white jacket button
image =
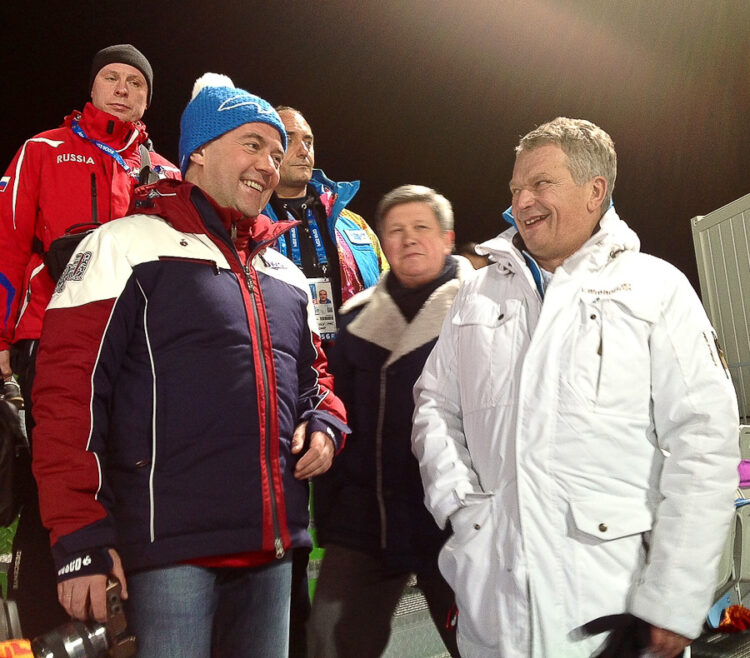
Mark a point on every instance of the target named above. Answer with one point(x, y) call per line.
point(603, 527)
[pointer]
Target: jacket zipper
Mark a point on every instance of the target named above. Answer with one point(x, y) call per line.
point(277, 541)
point(94, 202)
point(379, 461)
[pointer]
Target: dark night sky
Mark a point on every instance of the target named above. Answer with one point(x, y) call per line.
point(435, 92)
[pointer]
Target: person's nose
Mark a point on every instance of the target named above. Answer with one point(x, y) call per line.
point(409, 238)
point(303, 151)
point(265, 163)
point(121, 87)
point(524, 199)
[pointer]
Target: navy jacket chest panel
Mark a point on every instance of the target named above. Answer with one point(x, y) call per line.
point(286, 310)
point(192, 332)
point(364, 362)
point(400, 379)
point(355, 365)
point(191, 303)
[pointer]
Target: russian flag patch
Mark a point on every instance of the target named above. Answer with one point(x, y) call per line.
point(4, 183)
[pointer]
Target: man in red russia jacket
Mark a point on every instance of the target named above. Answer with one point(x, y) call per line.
point(84, 171)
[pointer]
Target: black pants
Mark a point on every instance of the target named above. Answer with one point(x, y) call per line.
point(299, 605)
point(355, 601)
point(32, 579)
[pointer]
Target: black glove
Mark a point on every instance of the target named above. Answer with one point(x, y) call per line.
point(628, 635)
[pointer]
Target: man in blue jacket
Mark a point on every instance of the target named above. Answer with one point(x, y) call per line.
point(183, 401)
point(339, 255)
point(334, 247)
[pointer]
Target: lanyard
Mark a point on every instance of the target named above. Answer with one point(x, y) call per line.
point(106, 148)
point(296, 252)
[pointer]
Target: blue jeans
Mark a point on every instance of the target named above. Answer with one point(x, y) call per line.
point(194, 612)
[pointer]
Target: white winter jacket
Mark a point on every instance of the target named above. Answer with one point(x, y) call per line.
point(584, 448)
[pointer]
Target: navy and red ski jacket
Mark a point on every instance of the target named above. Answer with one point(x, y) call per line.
point(173, 369)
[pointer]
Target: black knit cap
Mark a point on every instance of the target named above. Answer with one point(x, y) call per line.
point(123, 53)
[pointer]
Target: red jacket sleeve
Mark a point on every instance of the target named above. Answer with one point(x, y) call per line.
point(19, 203)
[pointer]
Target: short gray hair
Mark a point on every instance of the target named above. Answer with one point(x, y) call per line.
point(590, 150)
point(416, 194)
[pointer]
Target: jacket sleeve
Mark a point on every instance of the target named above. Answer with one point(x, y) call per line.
point(438, 440)
point(167, 169)
point(383, 265)
point(19, 202)
point(318, 403)
point(696, 423)
point(340, 364)
point(83, 340)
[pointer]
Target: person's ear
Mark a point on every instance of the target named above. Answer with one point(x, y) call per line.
point(598, 192)
point(449, 240)
point(198, 156)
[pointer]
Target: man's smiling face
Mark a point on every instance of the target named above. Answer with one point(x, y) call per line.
point(553, 214)
point(240, 169)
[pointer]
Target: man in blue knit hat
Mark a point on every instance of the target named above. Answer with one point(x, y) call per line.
point(186, 355)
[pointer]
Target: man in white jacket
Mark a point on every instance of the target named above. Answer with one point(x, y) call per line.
point(576, 426)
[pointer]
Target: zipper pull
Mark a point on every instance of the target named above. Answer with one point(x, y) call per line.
point(234, 231)
point(279, 548)
point(94, 203)
point(248, 278)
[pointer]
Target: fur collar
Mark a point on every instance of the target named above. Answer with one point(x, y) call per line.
point(381, 322)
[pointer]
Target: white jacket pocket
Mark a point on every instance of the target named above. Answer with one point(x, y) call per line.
point(489, 339)
point(610, 517)
point(468, 562)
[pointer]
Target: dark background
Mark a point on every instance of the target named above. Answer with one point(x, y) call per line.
point(435, 92)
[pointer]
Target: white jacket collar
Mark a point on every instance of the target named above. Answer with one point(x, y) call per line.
point(613, 237)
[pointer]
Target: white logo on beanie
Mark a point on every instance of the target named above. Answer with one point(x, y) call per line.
point(239, 101)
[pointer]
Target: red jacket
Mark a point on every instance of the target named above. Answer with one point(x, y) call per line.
point(52, 183)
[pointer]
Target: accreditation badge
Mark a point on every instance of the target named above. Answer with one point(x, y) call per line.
point(322, 295)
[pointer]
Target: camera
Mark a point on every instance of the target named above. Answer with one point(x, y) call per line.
point(77, 639)
point(12, 393)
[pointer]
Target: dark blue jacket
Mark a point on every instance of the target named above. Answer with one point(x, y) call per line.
point(172, 372)
point(372, 498)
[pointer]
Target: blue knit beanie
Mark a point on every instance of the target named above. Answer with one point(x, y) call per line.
point(216, 107)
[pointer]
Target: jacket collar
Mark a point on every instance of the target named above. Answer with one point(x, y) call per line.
point(173, 201)
point(344, 191)
point(382, 323)
point(107, 128)
point(613, 237)
point(334, 196)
